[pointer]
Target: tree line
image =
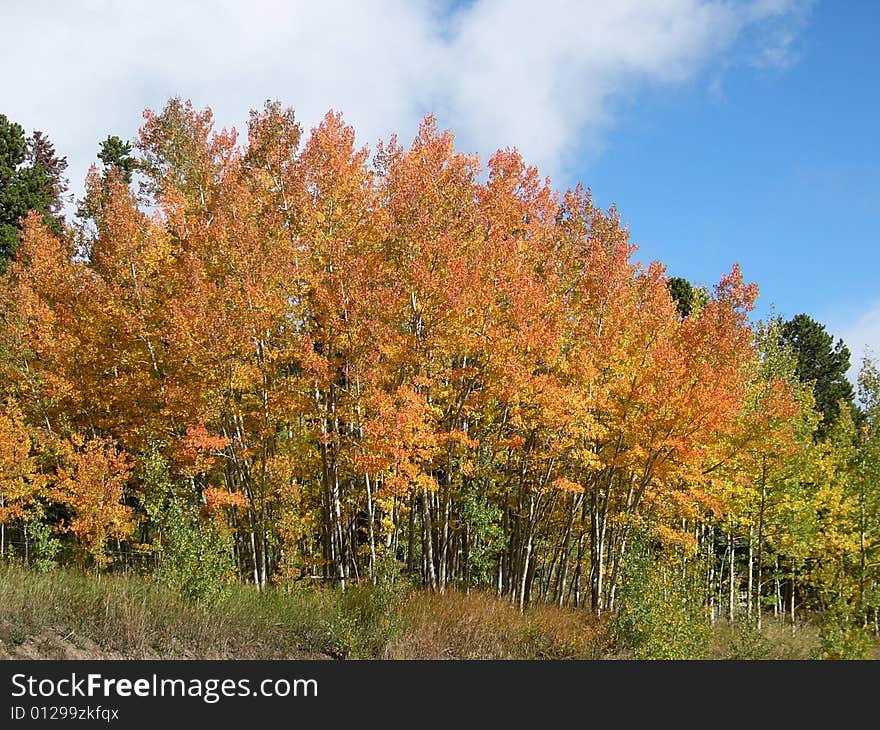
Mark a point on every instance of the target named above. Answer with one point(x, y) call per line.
point(286, 357)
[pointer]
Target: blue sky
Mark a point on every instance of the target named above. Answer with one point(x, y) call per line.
point(776, 168)
point(725, 130)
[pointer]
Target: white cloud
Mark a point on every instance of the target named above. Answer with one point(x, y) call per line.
point(539, 76)
point(862, 337)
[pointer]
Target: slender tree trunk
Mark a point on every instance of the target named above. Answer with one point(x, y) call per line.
point(578, 570)
point(465, 557)
point(731, 541)
point(566, 546)
point(254, 559)
point(597, 559)
point(751, 582)
point(339, 533)
point(372, 536)
point(525, 572)
point(411, 532)
point(862, 554)
point(428, 551)
point(444, 536)
point(777, 604)
point(761, 542)
point(710, 574)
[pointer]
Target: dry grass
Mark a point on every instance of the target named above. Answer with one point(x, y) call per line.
point(481, 626)
point(64, 614)
point(776, 640)
point(134, 617)
point(69, 615)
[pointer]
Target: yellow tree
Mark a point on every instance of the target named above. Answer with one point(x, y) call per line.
point(20, 479)
point(91, 482)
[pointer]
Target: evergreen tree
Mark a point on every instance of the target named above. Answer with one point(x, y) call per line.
point(41, 152)
point(116, 153)
point(682, 292)
point(30, 179)
point(823, 363)
point(688, 298)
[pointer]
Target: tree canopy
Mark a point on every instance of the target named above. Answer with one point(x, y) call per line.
point(287, 356)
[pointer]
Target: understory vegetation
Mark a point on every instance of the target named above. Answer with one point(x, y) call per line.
point(67, 614)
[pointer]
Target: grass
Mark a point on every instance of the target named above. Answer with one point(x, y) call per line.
point(480, 626)
point(776, 640)
point(136, 617)
point(67, 614)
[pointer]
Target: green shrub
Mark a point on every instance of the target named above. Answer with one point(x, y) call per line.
point(195, 559)
point(365, 621)
point(746, 642)
point(43, 548)
point(660, 610)
point(841, 635)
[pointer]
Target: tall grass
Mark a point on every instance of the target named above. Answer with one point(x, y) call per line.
point(139, 618)
point(481, 626)
point(129, 616)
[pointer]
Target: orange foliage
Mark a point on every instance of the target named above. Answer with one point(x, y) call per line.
point(91, 485)
point(365, 330)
